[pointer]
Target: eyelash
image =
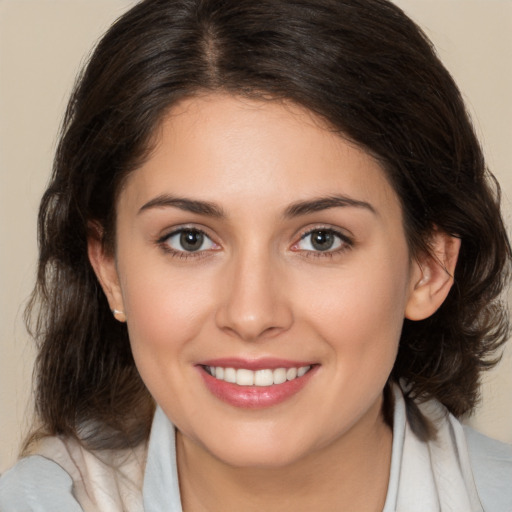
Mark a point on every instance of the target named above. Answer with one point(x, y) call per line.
point(163, 243)
point(346, 243)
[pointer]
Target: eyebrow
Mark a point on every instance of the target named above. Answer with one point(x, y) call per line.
point(294, 210)
point(188, 205)
point(324, 203)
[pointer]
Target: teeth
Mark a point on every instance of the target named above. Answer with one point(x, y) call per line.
point(244, 377)
point(301, 371)
point(262, 377)
point(229, 374)
point(291, 373)
point(279, 376)
point(266, 377)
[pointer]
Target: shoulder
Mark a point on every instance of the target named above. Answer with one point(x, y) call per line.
point(491, 462)
point(37, 484)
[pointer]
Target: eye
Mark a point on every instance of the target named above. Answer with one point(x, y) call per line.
point(188, 240)
point(322, 240)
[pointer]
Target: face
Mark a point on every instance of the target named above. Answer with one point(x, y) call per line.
point(263, 269)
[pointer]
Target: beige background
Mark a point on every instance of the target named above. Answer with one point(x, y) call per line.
point(42, 44)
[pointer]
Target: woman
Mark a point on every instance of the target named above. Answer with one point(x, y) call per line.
point(271, 261)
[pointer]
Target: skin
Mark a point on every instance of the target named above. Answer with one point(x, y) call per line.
point(260, 289)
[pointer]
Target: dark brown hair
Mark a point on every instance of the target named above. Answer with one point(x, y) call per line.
point(362, 66)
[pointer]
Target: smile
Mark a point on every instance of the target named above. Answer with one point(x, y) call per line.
point(264, 377)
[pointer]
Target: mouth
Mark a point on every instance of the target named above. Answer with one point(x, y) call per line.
point(263, 378)
point(256, 384)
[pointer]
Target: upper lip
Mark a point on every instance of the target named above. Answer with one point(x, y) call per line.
point(264, 363)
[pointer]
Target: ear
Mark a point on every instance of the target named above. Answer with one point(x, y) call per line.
point(104, 265)
point(432, 276)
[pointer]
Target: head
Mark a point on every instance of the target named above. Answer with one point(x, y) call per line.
point(360, 70)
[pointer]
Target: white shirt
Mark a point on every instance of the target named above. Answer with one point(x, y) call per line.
point(460, 471)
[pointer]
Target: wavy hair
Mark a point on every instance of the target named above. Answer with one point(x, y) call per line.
point(361, 65)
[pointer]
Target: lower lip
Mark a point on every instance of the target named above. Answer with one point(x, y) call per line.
point(254, 397)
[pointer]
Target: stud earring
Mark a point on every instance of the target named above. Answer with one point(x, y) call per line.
point(119, 315)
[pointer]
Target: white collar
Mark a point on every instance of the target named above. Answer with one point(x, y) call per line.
point(431, 476)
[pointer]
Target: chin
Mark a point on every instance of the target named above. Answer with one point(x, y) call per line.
point(259, 448)
point(258, 458)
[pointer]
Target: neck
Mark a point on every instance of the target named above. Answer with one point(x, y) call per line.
point(351, 473)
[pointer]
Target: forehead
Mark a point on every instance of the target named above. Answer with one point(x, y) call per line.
point(220, 146)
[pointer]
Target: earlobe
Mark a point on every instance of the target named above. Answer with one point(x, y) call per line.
point(104, 265)
point(432, 277)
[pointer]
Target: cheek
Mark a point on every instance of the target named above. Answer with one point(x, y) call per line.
point(165, 310)
point(166, 315)
point(360, 311)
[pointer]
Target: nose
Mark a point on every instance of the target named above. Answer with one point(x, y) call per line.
point(254, 304)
